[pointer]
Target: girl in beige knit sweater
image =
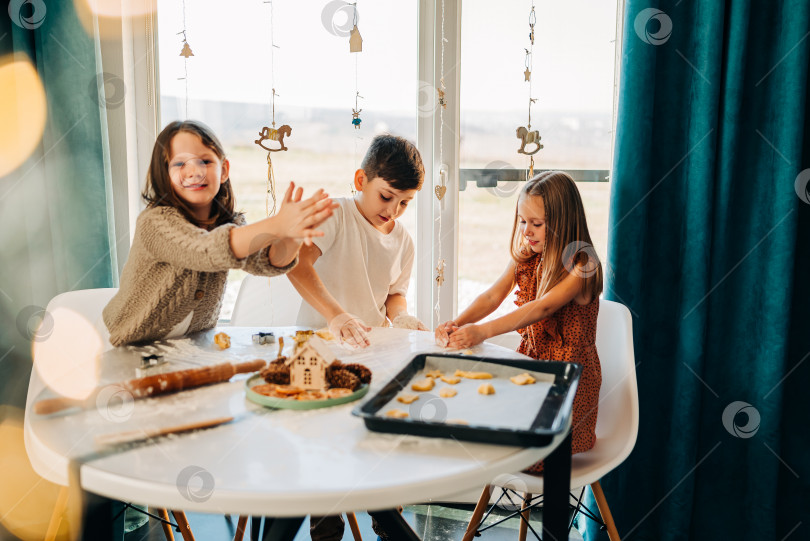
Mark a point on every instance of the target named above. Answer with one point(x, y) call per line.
point(189, 236)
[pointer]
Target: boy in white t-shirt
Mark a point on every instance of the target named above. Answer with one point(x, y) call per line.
point(357, 274)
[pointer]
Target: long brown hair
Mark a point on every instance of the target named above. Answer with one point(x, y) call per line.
point(568, 247)
point(158, 191)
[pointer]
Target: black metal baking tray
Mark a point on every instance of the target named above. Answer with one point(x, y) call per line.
point(550, 419)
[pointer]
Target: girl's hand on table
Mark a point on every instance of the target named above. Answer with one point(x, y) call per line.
point(467, 336)
point(443, 332)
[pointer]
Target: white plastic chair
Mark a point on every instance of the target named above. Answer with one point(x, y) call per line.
point(266, 302)
point(89, 303)
point(616, 427)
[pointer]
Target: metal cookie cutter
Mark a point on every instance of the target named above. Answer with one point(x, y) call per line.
point(263, 338)
point(148, 362)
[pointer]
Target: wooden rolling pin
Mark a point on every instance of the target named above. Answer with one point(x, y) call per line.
point(159, 384)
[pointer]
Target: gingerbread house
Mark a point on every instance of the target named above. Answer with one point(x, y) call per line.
point(308, 364)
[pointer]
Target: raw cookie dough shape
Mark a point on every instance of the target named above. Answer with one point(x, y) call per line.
point(423, 385)
point(447, 392)
point(486, 388)
point(407, 398)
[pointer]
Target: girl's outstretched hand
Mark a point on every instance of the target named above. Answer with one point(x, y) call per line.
point(298, 219)
point(467, 336)
point(443, 331)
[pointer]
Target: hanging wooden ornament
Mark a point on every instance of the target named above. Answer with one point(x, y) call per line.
point(530, 139)
point(440, 90)
point(186, 52)
point(355, 41)
point(527, 75)
point(273, 134)
point(356, 120)
point(441, 189)
point(440, 272)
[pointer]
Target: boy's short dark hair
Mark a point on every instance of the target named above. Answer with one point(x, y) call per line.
point(395, 160)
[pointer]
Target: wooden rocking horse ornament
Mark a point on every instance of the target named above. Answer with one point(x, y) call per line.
point(276, 135)
point(528, 138)
point(273, 134)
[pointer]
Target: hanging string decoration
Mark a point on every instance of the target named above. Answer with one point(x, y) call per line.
point(185, 52)
point(529, 139)
point(356, 120)
point(441, 188)
point(271, 134)
point(356, 46)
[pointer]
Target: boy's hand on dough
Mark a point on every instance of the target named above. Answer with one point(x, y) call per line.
point(405, 321)
point(350, 330)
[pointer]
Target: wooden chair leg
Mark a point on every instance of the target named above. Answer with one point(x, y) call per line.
point(525, 513)
point(167, 529)
point(241, 526)
point(58, 512)
point(352, 520)
point(604, 510)
point(182, 524)
point(480, 508)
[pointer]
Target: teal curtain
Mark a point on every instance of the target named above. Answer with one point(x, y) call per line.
point(708, 247)
point(56, 227)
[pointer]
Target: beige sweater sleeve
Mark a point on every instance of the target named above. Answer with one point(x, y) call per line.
point(167, 236)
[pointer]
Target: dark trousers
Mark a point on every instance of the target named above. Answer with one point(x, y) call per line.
point(329, 528)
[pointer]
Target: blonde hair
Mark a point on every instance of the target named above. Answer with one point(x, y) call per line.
point(568, 247)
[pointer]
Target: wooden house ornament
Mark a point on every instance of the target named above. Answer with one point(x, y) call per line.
point(355, 41)
point(308, 364)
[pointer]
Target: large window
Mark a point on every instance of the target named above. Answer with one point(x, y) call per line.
point(231, 76)
point(572, 80)
point(229, 80)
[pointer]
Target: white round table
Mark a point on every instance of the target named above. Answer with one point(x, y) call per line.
point(278, 463)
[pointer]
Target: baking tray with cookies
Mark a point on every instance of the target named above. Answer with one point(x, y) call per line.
point(488, 400)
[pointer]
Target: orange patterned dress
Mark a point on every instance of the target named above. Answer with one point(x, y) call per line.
point(568, 335)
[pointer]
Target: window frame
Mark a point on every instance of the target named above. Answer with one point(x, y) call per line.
point(134, 58)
